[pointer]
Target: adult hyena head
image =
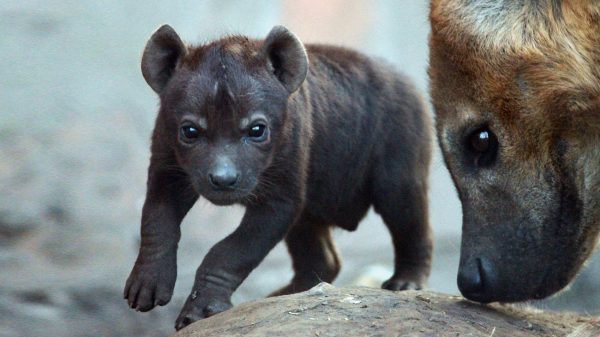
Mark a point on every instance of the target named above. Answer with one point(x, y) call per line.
point(516, 90)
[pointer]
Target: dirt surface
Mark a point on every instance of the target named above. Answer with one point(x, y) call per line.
point(361, 311)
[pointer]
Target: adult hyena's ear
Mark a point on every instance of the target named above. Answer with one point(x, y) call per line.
point(161, 54)
point(287, 56)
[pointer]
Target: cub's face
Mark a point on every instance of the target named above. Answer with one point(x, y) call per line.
point(511, 128)
point(224, 107)
point(225, 130)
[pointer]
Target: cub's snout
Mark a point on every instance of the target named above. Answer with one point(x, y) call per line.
point(224, 176)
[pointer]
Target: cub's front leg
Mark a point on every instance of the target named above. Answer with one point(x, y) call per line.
point(230, 261)
point(152, 279)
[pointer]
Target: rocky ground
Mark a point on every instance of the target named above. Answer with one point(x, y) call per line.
point(75, 119)
point(358, 311)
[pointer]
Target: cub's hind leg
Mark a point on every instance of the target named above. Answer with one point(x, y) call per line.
point(401, 201)
point(314, 257)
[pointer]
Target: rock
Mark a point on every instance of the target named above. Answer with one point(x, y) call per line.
point(360, 311)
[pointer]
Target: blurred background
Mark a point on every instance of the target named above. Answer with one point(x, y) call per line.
point(75, 121)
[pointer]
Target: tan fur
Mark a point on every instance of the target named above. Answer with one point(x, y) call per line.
point(536, 66)
point(235, 49)
point(556, 51)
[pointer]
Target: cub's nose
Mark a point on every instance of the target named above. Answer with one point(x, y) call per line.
point(473, 280)
point(223, 178)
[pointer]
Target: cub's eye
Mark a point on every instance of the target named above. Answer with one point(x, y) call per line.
point(483, 145)
point(189, 133)
point(258, 133)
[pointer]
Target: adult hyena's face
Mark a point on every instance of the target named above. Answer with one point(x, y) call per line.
point(522, 173)
point(522, 235)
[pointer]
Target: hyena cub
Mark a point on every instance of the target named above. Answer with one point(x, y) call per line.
point(303, 148)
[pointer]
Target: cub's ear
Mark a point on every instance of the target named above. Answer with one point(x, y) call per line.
point(287, 56)
point(161, 54)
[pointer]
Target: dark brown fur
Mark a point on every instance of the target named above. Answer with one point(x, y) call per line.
point(345, 133)
point(528, 74)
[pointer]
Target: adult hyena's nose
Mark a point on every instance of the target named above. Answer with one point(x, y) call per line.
point(474, 277)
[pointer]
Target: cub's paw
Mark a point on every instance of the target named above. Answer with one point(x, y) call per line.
point(412, 281)
point(399, 284)
point(200, 305)
point(150, 285)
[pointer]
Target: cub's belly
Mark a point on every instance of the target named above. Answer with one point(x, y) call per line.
point(337, 210)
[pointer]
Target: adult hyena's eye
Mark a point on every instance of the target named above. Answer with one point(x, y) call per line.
point(482, 144)
point(480, 141)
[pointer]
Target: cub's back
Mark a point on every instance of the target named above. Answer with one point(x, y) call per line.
point(361, 108)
